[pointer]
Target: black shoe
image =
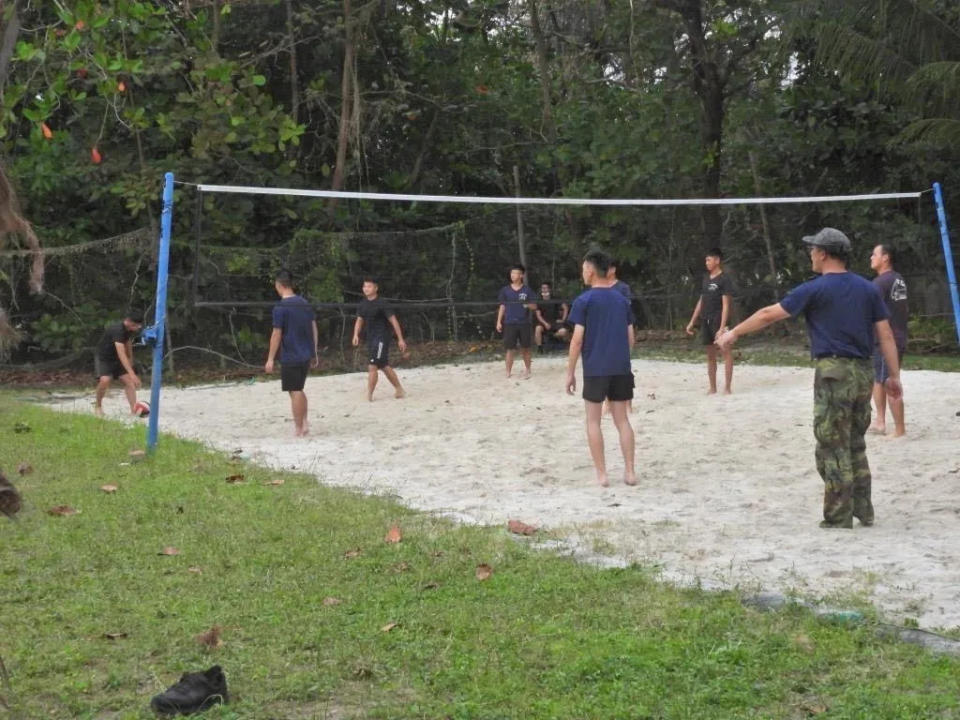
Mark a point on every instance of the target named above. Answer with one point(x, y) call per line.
point(195, 692)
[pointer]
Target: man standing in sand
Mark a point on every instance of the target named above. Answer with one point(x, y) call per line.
point(294, 336)
point(114, 360)
point(844, 313)
point(893, 290)
point(713, 308)
point(513, 317)
point(378, 317)
point(601, 333)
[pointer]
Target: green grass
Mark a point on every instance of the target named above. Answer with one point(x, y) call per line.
point(544, 637)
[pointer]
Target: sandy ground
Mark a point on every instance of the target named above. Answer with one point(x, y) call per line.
point(728, 493)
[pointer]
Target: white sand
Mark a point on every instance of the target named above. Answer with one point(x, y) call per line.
point(728, 496)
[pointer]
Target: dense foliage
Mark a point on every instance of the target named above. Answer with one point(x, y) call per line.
point(577, 98)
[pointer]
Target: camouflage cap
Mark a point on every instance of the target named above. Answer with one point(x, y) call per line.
point(829, 239)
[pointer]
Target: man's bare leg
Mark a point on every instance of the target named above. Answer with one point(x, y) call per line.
point(371, 381)
point(727, 371)
point(525, 352)
point(896, 409)
point(103, 384)
point(627, 439)
point(879, 424)
point(538, 335)
point(509, 361)
point(712, 368)
point(595, 441)
point(395, 381)
point(130, 390)
point(298, 404)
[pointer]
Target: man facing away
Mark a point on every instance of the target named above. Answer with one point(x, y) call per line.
point(844, 312)
point(513, 317)
point(893, 290)
point(294, 336)
point(551, 317)
point(378, 317)
point(713, 309)
point(601, 334)
point(114, 360)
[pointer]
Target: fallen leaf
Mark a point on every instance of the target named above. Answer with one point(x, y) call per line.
point(362, 672)
point(484, 571)
point(210, 638)
point(109, 488)
point(195, 570)
point(137, 455)
point(169, 550)
point(393, 535)
point(24, 468)
point(401, 567)
point(815, 707)
point(430, 586)
point(275, 481)
point(330, 601)
point(115, 635)
point(437, 553)
point(235, 479)
point(520, 528)
point(353, 553)
point(62, 510)
point(652, 396)
point(389, 626)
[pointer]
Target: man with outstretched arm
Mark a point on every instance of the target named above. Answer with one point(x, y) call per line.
point(378, 317)
point(843, 312)
point(294, 336)
point(601, 334)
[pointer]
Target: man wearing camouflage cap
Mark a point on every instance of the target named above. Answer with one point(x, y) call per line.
point(843, 311)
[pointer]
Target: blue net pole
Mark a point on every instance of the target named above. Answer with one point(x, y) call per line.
point(163, 267)
point(948, 256)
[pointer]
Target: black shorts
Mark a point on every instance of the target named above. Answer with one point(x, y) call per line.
point(378, 352)
point(103, 367)
point(516, 333)
point(709, 327)
point(293, 377)
point(617, 388)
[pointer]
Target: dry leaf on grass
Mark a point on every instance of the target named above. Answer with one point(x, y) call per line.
point(521, 528)
point(814, 707)
point(401, 567)
point(137, 455)
point(24, 468)
point(211, 638)
point(393, 535)
point(235, 479)
point(109, 488)
point(484, 571)
point(430, 586)
point(169, 550)
point(115, 635)
point(195, 570)
point(389, 626)
point(330, 601)
point(275, 481)
point(357, 552)
point(62, 510)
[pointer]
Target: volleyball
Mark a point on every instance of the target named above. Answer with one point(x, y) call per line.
point(141, 408)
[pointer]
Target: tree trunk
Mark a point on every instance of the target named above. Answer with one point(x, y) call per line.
point(11, 31)
point(292, 48)
point(548, 126)
point(346, 102)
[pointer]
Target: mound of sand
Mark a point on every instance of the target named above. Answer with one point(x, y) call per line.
point(728, 493)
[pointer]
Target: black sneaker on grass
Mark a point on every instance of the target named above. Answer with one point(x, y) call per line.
point(195, 692)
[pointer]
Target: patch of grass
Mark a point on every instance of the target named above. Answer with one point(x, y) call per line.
point(543, 637)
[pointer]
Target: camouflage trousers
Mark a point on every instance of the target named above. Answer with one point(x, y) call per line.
point(841, 416)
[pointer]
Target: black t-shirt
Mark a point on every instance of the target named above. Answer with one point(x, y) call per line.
point(711, 294)
point(893, 290)
point(376, 315)
point(550, 312)
point(115, 333)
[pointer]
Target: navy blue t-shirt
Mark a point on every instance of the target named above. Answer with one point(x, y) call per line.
point(605, 315)
point(294, 317)
point(840, 309)
point(621, 287)
point(516, 314)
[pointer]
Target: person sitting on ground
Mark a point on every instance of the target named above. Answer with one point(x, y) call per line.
point(114, 360)
point(551, 318)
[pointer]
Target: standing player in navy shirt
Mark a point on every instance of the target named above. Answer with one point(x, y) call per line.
point(843, 312)
point(513, 318)
point(602, 334)
point(378, 318)
point(294, 336)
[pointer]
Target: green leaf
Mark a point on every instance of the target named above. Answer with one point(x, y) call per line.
point(258, 80)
